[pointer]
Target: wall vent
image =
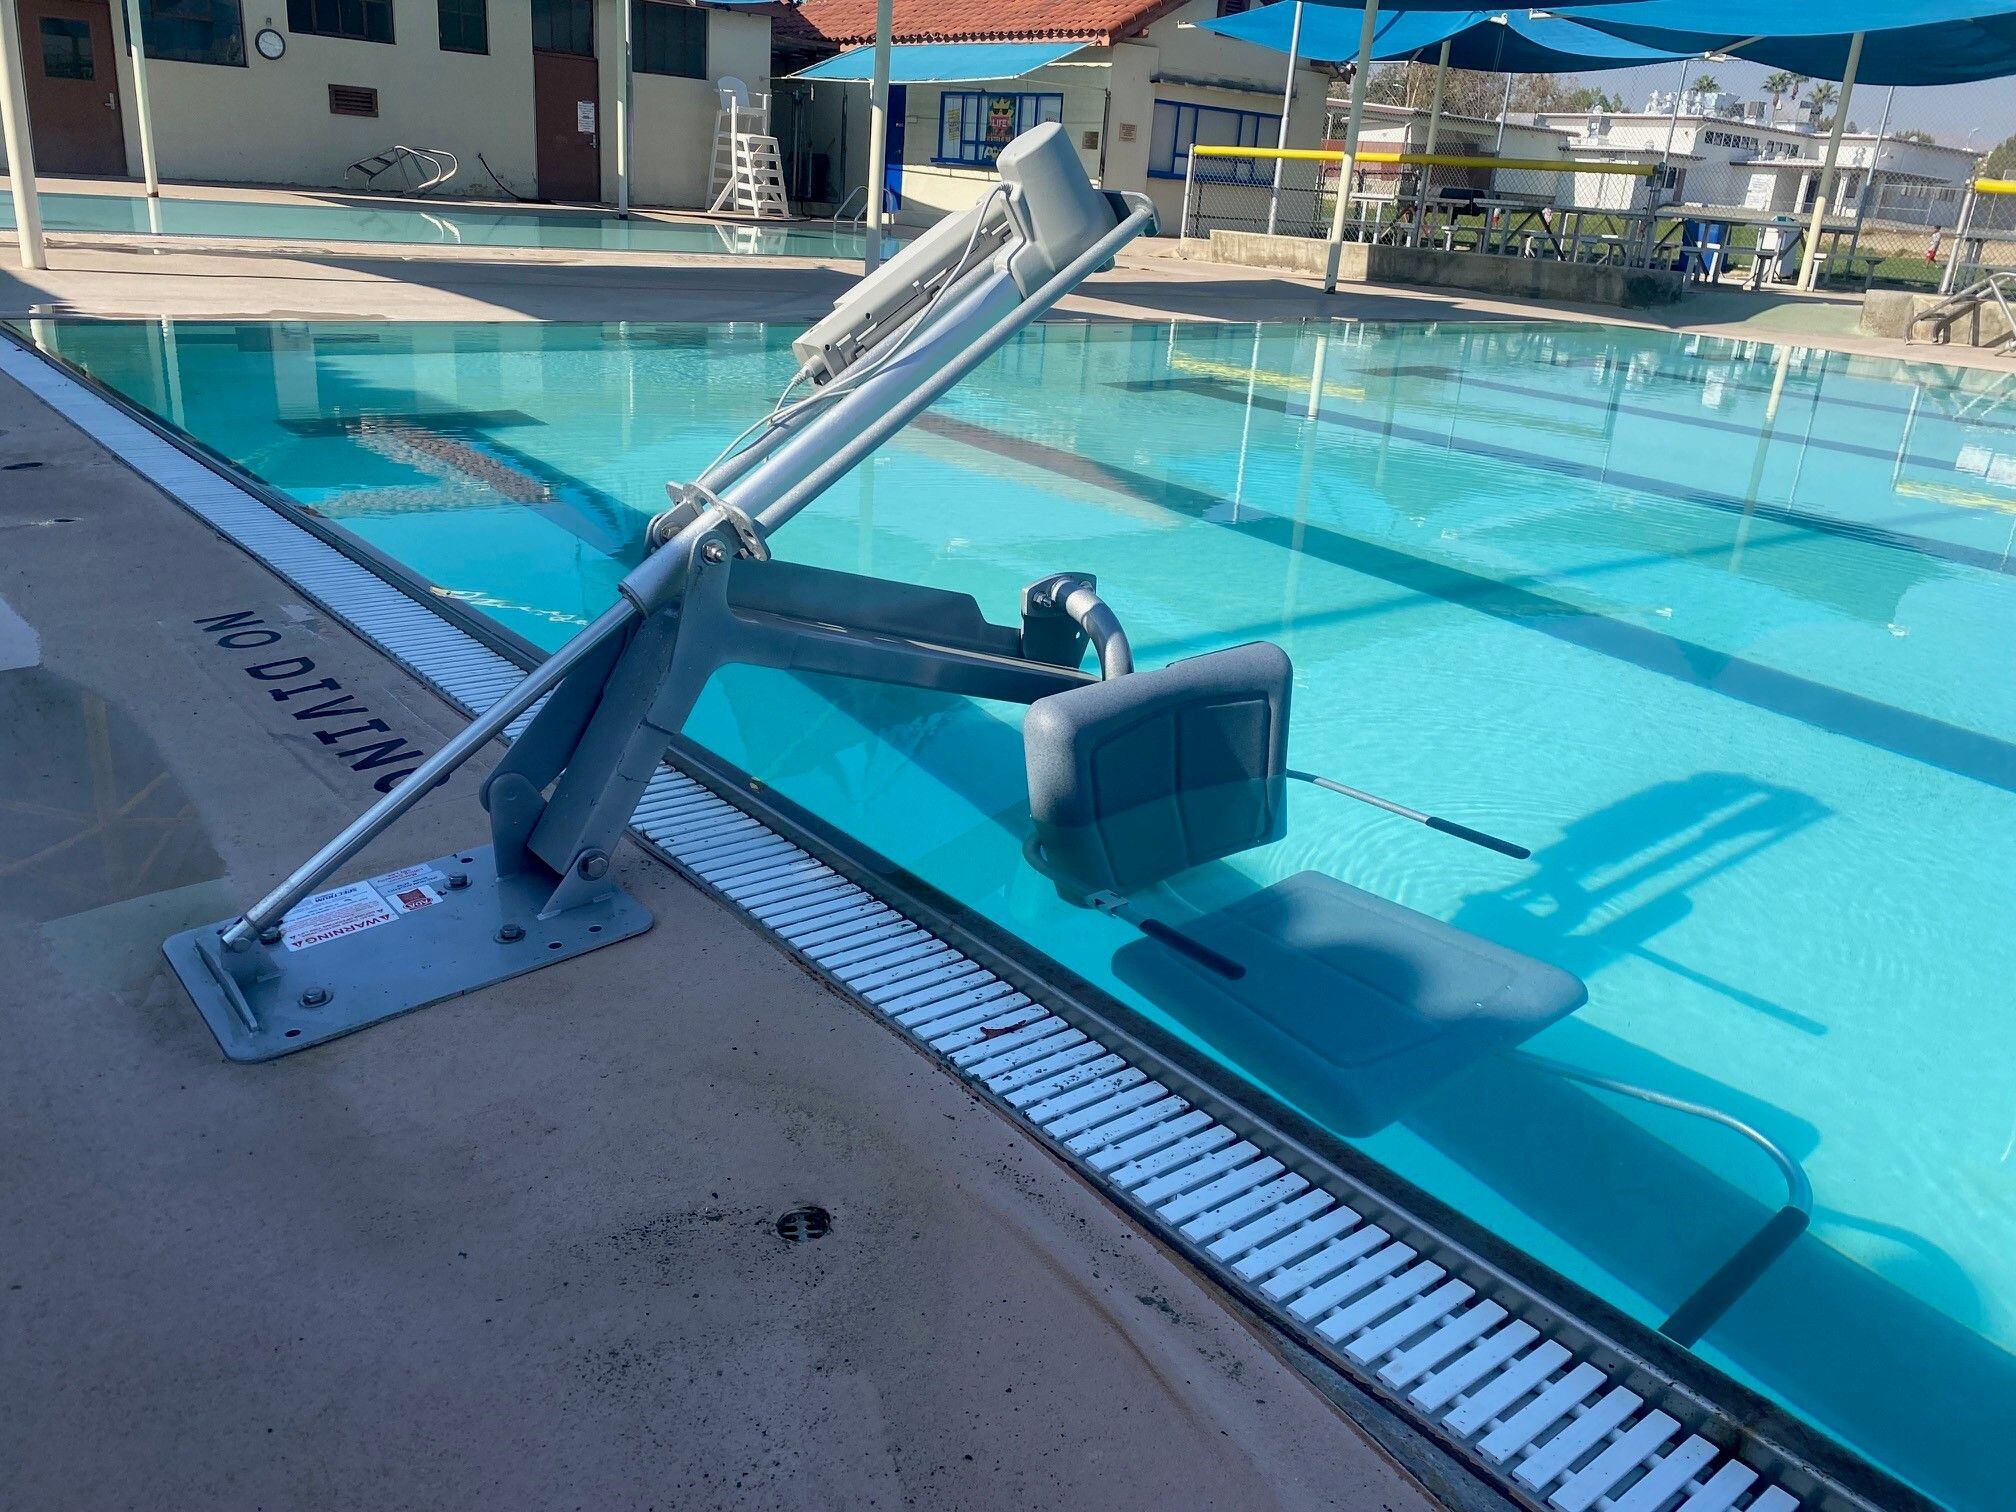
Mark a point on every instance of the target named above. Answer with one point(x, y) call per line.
point(352, 100)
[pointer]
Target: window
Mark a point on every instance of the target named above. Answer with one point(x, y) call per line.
point(564, 26)
point(975, 124)
point(66, 49)
point(353, 20)
point(465, 26)
point(194, 31)
point(1233, 8)
point(668, 39)
point(1179, 127)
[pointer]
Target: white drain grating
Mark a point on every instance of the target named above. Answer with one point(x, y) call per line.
point(1382, 1300)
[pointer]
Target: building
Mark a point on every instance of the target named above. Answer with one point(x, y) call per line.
point(1723, 153)
point(292, 92)
point(1404, 129)
point(1131, 84)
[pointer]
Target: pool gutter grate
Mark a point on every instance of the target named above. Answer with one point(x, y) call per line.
point(1380, 1295)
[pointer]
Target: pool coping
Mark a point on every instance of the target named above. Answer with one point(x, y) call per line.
point(1077, 1065)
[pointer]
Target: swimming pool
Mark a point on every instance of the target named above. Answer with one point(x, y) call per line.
point(1722, 631)
point(432, 223)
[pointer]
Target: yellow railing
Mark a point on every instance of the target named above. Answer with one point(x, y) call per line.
point(1446, 160)
point(1981, 186)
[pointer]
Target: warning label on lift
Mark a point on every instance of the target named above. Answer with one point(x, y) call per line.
point(360, 906)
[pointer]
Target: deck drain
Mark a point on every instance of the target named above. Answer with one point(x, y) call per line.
point(803, 1224)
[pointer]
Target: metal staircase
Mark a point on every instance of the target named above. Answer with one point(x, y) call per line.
point(1967, 304)
point(747, 177)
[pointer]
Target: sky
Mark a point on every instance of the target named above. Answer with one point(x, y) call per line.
point(1959, 115)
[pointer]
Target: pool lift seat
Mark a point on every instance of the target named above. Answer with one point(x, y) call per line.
point(1356, 1005)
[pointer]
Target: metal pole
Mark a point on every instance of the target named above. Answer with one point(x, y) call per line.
point(1352, 122)
point(1189, 183)
point(623, 138)
point(20, 147)
point(1809, 271)
point(1869, 180)
point(1960, 230)
point(1434, 134)
point(375, 820)
point(1287, 105)
point(136, 41)
point(1504, 109)
point(878, 135)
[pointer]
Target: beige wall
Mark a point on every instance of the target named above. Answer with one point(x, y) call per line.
point(269, 122)
point(1105, 91)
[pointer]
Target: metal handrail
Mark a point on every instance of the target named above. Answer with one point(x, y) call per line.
point(860, 216)
point(1966, 302)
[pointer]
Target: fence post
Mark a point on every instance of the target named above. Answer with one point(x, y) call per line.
point(1189, 182)
point(1960, 229)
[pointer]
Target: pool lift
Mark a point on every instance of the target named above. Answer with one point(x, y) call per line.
point(1134, 776)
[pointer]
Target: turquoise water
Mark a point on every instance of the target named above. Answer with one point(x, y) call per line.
point(1722, 631)
point(433, 223)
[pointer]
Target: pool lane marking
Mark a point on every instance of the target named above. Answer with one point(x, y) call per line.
point(1883, 454)
point(1848, 530)
point(1916, 737)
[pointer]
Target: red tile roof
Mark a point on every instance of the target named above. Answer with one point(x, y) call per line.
point(846, 23)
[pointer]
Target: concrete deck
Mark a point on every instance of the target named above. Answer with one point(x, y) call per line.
point(517, 1249)
point(143, 277)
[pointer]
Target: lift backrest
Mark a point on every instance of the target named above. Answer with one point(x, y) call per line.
point(1143, 776)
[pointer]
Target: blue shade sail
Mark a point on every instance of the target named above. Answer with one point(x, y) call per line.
point(1499, 42)
point(1905, 41)
point(943, 62)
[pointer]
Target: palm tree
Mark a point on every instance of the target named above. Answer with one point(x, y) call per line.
point(1822, 95)
point(1707, 84)
point(1778, 85)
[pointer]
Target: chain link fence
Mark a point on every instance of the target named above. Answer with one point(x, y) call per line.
point(1720, 180)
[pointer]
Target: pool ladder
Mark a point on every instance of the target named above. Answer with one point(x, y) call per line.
point(1968, 302)
point(418, 169)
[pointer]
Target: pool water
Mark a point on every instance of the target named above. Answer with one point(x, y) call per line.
point(433, 223)
point(1722, 631)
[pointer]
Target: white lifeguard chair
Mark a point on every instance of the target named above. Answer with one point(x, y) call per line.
point(748, 174)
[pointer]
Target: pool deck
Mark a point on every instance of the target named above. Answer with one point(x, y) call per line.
point(148, 277)
point(516, 1249)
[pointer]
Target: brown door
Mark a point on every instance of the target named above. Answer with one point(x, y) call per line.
point(73, 86)
point(567, 114)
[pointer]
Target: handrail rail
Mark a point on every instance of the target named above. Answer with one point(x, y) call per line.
point(1427, 159)
point(1964, 302)
point(1995, 186)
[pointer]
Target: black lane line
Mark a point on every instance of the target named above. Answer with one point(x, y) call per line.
point(1847, 530)
point(1916, 737)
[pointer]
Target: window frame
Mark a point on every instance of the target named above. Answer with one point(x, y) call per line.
point(462, 17)
point(1263, 129)
point(975, 150)
point(297, 9)
point(220, 13)
point(689, 15)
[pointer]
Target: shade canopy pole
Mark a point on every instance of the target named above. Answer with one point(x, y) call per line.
point(623, 97)
point(1434, 135)
point(20, 148)
point(1352, 122)
point(878, 134)
point(136, 43)
point(1809, 270)
point(1435, 99)
point(1287, 105)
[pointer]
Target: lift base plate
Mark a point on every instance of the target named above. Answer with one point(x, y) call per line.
point(354, 955)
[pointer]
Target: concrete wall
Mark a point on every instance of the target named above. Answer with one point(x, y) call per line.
point(1513, 277)
point(1891, 312)
point(269, 122)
